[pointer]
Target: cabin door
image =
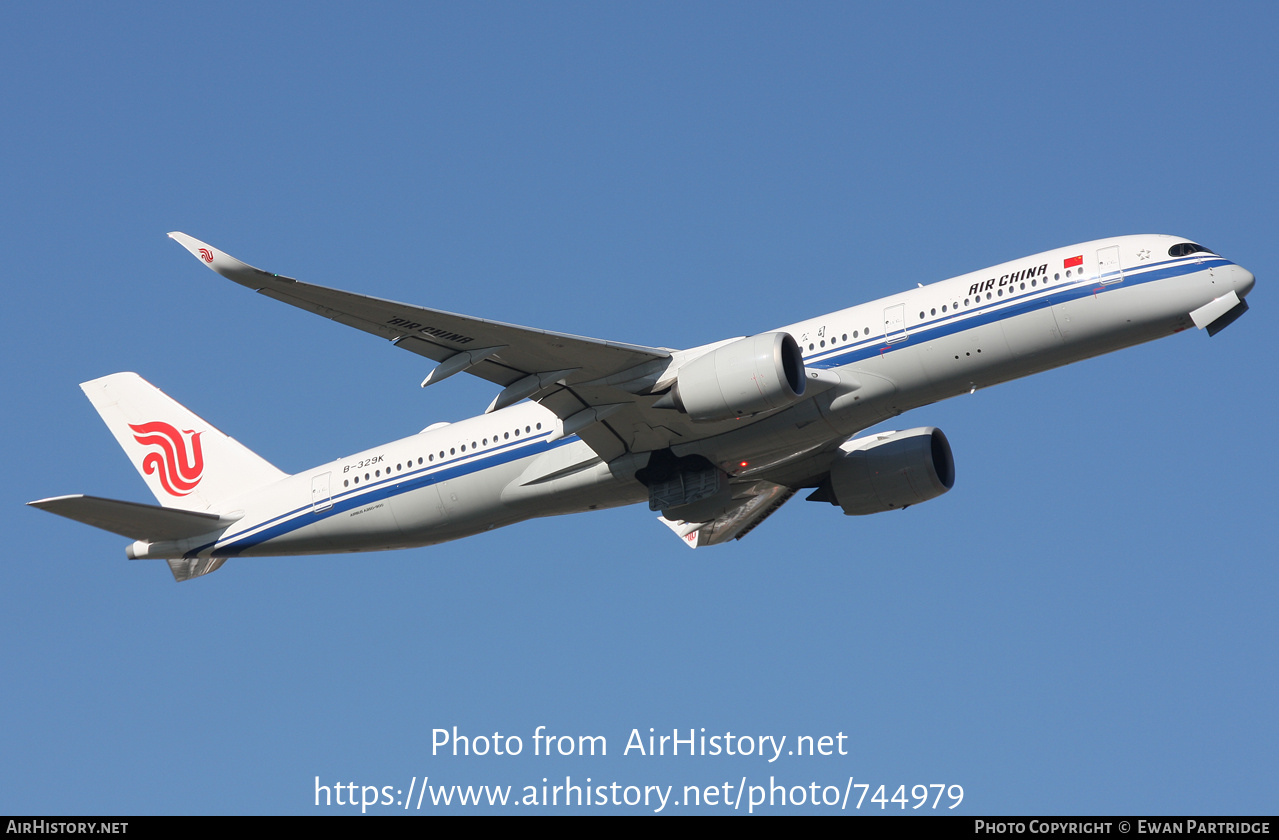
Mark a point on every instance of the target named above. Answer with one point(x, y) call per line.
point(1108, 268)
point(895, 323)
point(321, 499)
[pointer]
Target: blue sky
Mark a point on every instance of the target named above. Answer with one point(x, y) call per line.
point(1086, 624)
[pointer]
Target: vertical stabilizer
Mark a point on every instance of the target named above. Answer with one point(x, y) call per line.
point(187, 463)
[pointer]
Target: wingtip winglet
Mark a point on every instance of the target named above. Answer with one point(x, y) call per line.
point(220, 261)
point(189, 242)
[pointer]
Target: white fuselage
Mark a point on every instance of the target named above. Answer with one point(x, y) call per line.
point(902, 351)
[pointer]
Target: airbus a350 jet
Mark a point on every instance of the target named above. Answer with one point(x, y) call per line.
point(716, 438)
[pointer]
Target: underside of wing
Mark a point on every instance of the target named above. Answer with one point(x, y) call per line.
point(756, 503)
point(603, 391)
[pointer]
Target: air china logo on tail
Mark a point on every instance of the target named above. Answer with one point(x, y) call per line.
point(206, 255)
point(180, 466)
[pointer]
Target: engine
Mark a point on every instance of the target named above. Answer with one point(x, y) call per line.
point(750, 375)
point(889, 471)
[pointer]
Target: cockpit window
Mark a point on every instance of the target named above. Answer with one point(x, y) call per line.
point(1182, 249)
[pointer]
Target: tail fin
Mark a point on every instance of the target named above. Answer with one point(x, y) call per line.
point(187, 463)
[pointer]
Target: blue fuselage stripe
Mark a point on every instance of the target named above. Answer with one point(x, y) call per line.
point(406, 482)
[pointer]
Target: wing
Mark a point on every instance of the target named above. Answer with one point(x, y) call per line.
point(752, 505)
point(602, 390)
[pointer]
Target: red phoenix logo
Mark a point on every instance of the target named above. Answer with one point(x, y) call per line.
point(179, 466)
point(206, 255)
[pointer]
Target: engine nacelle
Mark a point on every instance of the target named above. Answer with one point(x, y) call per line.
point(889, 471)
point(750, 375)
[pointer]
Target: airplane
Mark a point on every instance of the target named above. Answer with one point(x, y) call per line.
point(714, 438)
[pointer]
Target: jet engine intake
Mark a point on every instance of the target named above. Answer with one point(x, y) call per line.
point(889, 471)
point(746, 377)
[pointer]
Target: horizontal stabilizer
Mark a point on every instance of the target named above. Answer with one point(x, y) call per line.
point(149, 523)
